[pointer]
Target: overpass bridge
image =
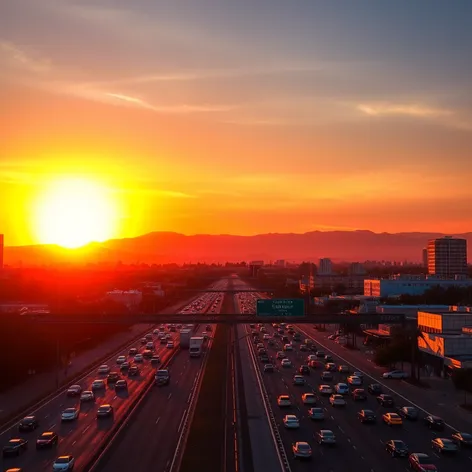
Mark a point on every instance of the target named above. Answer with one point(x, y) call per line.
point(180, 318)
point(229, 290)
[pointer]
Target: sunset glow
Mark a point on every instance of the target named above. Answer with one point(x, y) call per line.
point(73, 212)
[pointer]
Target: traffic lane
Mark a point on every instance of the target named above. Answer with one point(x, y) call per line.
point(397, 388)
point(325, 458)
point(77, 437)
point(159, 418)
point(415, 434)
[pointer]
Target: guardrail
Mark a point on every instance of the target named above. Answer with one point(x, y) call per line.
point(105, 446)
point(282, 455)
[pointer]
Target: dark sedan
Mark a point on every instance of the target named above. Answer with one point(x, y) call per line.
point(29, 423)
point(15, 447)
point(408, 412)
point(463, 439)
point(396, 448)
point(104, 411)
point(385, 400)
point(375, 389)
point(434, 422)
point(367, 416)
point(359, 394)
point(47, 439)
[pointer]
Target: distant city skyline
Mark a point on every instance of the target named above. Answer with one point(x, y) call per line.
point(242, 117)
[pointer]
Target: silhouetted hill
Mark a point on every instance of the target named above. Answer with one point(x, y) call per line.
point(165, 247)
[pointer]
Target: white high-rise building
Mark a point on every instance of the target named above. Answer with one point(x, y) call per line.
point(325, 267)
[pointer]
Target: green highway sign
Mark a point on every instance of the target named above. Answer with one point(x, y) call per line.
point(281, 307)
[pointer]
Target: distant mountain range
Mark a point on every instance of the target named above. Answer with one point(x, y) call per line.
point(165, 247)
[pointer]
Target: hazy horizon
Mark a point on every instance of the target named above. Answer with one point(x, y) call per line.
point(245, 117)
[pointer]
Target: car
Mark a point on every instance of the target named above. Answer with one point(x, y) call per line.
point(286, 363)
point(15, 447)
point(259, 346)
point(303, 347)
point(147, 354)
point(113, 377)
point(63, 463)
point(133, 371)
point(337, 400)
point(358, 374)
point(343, 369)
point(155, 359)
point(87, 396)
point(463, 439)
point(332, 337)
point(385, 400)
point(304, 370)
point(271, 342)
point(163, 341)
point(408, 412)
point(104, 411)
point(320, 354)
point(308, 399)
point(74, 391)
point(392, 419)
point(326, 375)
point(121, 385)
point(358, 394)
point(314, 364)
point(143, 341)
point(155, 332)
point(341, 388)
point(269, 368)
point(291, 422)
point(98, 384)
point(354, 380)
point(150, 346)
point(316, 414)
point(330, 367)
point(395, 374)
point(326, 436)
point(103, 370)
point(138, 358)
point(366, 416)
point(325, 389)
point(298, 380)
point(328, 358)
point(420, 462)
point(264, 358)
point(120, 360)
point(148, 337)
point(443, 445)
point(261, 350)
point(70, 414)
point(311, 357)
point(266, 337)
point(28, 423)
point(46, 440)
point(284, 401)
point(288, 347)
point(375, 389)
point(434, 422)
point(280, 355)
point(124, 367)
point(396, 448)
point(301, 450)
point(133, 351)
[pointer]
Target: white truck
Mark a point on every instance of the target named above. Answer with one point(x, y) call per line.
point(196, 345)
point(185, 335)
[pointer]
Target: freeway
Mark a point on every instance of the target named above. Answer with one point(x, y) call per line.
point(84, 436)
point(153, 433)
point(361, 447)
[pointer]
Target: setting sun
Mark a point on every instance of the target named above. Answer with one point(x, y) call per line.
point(73, 212)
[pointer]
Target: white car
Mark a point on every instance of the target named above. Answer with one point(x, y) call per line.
point(104, 369)
point(291, 422)
point(325, 389)
point(341, 389)
point(70, 414)
point(120, 359)
point(354, 380)
point(395, 374)
point(286, 363)
point(284, 401)
point(308, 399)
point(170, 345)
point(138, 358)
point(63, 463)
point(87, 396)
point(288, 347)
point(337, 400)
point(98, 384)
point(280, 355)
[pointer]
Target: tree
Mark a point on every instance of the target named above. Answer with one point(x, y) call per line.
point(462, 379)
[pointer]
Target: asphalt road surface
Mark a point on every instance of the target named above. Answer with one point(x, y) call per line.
point(359, 446)
point(82, 437)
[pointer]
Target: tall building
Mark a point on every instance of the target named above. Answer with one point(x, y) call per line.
point(447, 257)
point(1, 251)
point(356, 268)
point(325, 267)
point(425, 257)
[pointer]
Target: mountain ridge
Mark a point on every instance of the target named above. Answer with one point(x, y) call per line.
point(168, 247)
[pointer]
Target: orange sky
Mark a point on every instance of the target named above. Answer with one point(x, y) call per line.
point(231, 148)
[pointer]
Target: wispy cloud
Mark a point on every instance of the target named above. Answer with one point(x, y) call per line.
point(14, 56)
point(414, 110)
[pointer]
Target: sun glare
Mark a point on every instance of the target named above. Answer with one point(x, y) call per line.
point(73, 212)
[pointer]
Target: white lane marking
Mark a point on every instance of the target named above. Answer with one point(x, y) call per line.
point(168, 397)
point(74, 443)
point(182, 421)
point(52, 426)
point(158, 419)
point(376, 380)
point(47, 416)
point(85, 430)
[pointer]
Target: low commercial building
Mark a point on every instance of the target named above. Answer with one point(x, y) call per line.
point(128, 298)
point(398, 285)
